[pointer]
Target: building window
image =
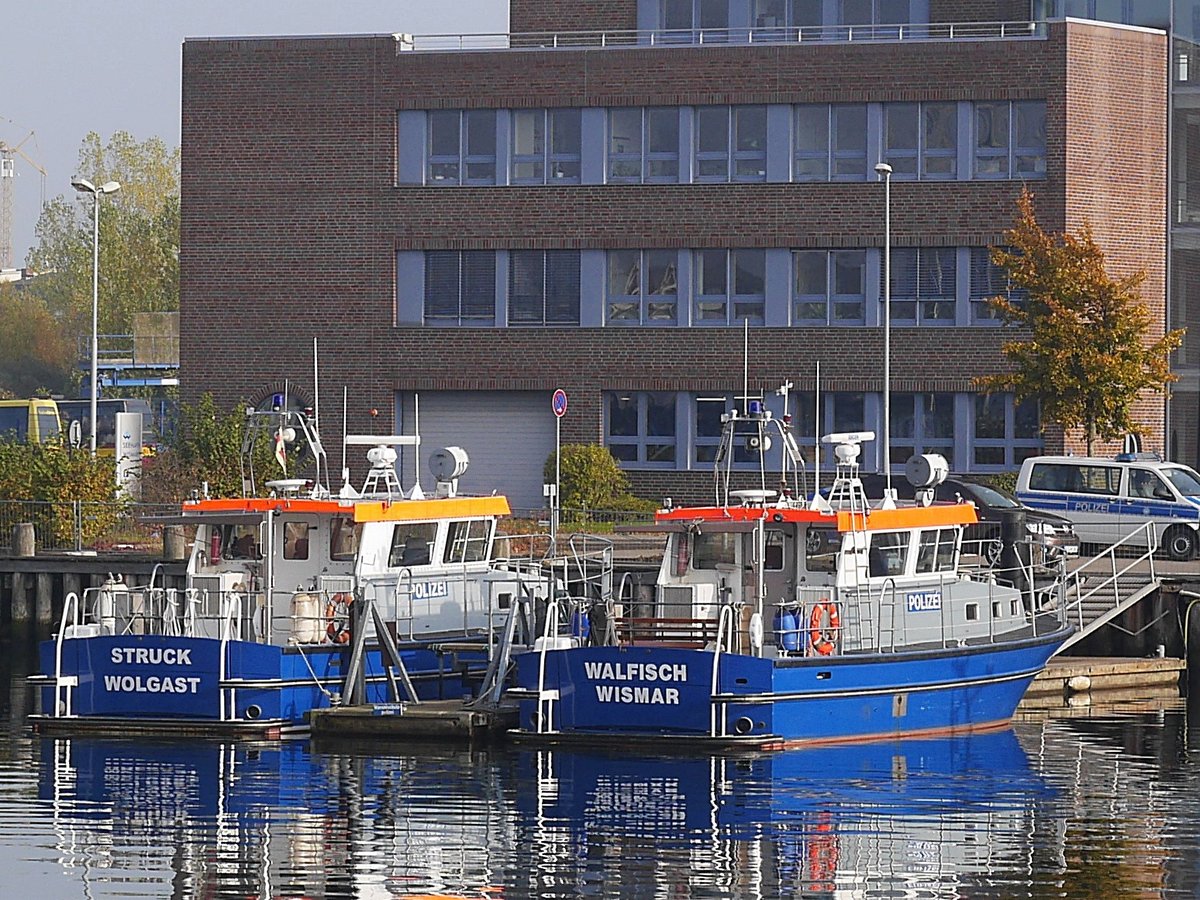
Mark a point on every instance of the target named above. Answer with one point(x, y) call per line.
point(640, 427)
point(989, 280)
point(830, 142)
point(848, 130)
point(643, 145)
point(742, 128)
point(642, 287)
point(1010, 139)
point(730, 286)
point(460, 287)
point(787, 13)
point(921, 140)
point(545, 146)
point(921, 423)
point(543, 287)
point(924, 285)
point(874, 12)
point(829, 287)
point(461, 146)
point(1004, 432)
point(695, 15)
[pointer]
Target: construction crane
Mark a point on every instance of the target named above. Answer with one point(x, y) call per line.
point(8, 171)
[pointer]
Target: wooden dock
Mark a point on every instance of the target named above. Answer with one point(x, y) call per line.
point(446, 720)
point(1073, 680)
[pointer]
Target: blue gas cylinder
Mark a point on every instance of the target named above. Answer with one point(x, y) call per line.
point(787, 629)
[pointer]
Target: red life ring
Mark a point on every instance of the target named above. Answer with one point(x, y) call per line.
point(337, 617)
point(823, 852)
point(821, 635)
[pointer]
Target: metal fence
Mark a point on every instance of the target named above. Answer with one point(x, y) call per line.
point(76, 525)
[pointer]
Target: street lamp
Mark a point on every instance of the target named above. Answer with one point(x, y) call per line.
point(883, 170)
point(86, 187)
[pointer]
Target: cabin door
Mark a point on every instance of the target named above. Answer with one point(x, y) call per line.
point(779, 567)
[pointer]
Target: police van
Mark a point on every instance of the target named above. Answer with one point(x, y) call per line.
point(1111, 499)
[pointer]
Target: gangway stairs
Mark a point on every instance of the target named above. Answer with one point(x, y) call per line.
point(1100, 589)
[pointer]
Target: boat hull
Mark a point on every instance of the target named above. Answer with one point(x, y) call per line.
point(646, 692)
point(152, 683)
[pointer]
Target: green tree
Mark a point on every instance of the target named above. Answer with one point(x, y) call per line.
point(35, 356)
point(139, 239)
point(1088, 353)
point(590, 480)
point(208, 449)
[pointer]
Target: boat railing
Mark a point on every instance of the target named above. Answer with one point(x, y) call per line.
point(725, 643)
point(71, 625)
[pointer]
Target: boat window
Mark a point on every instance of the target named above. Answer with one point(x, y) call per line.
point(886, 556)
point(344, 536)
point(467, 541)
point(295, 540)
point(240, 542)
point(821, 547)
point(412, 544)
point(773, 553)
point(712, 550)
point(936, 550)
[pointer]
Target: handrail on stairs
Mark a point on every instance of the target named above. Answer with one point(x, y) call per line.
point(1142, 563)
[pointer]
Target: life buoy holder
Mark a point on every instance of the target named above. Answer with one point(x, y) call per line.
point(823, 627)
point(337, 618)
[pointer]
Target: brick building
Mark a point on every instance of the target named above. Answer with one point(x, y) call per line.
point(602, 204)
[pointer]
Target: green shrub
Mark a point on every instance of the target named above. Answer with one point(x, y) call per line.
point(50, 473)
point(591, 481)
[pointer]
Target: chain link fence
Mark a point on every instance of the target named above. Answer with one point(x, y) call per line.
point(75, 525)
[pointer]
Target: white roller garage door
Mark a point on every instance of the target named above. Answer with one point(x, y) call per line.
point(507, 436)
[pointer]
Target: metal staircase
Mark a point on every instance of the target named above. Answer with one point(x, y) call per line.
point(1105, 586)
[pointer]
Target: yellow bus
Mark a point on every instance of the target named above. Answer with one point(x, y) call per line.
point(31, 421)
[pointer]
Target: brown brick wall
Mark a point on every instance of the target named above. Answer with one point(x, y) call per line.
point(291, 217)
point(556, 16)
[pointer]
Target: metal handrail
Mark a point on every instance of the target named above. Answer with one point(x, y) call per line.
point(719, 37)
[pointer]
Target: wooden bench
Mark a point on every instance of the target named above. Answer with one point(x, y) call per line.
point(678, 632)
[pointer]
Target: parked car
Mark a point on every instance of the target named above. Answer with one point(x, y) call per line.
point(1052, 531)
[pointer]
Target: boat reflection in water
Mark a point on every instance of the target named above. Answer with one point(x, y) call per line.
point(278, 819)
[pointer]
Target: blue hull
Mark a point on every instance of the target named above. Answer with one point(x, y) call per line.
point(177, 682)
point(633, 692)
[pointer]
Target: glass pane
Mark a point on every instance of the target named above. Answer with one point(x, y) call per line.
point(564, 132)
point(528, 171)
point(941, 126)
point(660, 414)
point(660, 272)
point(712, 129)
point(902, 122)
point(481, 132)
point(562, 287)
point(525, 286)
point(854, 12)
point(806, 12)
point(663, 168)
point(677, 13)
point(849, 271)
point(625, 131)
point(624, 273)
point(894, 12)
point(662, 130)
point(1027, 421)
point(708, 417)
point(529, 131)
point(711, 311)
point(770, 13)
point(710, 271)
point(622, 415)
point(749, 267)
point(479, 284)
point(443, 133)
point(850, 128)
point(903, 265)
point(660, 310)
point(624, 452)
point(750, 124)
point(441, 284)
point(810, 272)
point(939, 268)
point(812, 128)
point(902, 417)
point(660, 453)
point(991, 125)
point(847, 412)
point(714, 13)
point(623, 312)
point(939, 416)
point(811, 310)
point(989, 456)
point(989, 415)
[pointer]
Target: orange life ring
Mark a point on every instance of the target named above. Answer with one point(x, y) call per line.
point(822, 638)
point(337, 617)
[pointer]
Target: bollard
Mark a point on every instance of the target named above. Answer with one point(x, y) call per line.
point(43, 598)
point(23, 539)
point(1014, 552)
point(174, 547)
point(20, 598)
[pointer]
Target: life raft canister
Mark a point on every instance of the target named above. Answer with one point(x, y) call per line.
point(823, 627)
point(337, 617)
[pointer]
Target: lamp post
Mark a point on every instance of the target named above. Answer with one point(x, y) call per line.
point(883, 170)
point(86, 187)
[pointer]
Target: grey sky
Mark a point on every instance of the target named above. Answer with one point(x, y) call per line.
point(73, 66)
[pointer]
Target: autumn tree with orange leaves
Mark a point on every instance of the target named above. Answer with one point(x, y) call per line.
point(1087, 355)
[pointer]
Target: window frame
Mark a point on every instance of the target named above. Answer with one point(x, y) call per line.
point(645, 300)
point(486, 275)
point(642, 440)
